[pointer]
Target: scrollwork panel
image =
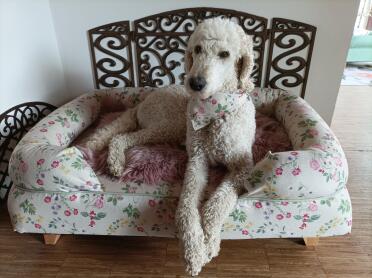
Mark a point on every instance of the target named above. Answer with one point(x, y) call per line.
point(290, 50)
point(111, 52)
point(14, 123)
point(160, 60)
point(160, 41)
point(154, 34)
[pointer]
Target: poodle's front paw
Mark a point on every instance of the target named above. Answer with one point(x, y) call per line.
point(193, 249)
point(193, 268)
point(212, 229)
point(195, 257)
point(212, 245)
point(116, 157)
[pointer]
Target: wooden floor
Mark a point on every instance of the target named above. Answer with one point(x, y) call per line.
point(100, 256)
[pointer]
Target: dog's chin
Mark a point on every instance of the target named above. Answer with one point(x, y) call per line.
point(203, 95)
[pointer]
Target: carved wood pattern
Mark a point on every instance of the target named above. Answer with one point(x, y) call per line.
point(111, 53)
point(287, 69)
point(159, 43)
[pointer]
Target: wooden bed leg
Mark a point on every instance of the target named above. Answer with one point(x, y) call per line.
point(311, 241)
point(51, 239)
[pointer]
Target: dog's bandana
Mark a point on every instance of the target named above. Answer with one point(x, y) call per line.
point(203, 111)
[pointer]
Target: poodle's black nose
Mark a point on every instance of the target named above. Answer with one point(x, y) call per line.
point(197, 83)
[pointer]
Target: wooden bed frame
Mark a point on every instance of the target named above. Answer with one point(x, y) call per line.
point(148, 52)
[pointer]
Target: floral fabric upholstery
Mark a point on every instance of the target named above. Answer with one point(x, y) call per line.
point(317, 167)
point(204, 111)
point(141, 214)
point(299, 194)
point(43, 161)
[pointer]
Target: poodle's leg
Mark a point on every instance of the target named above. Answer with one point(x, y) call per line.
point(124, 123)
point(120, 143)
point(188, 219)
point(219, 206)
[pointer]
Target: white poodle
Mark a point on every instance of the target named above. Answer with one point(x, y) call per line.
point(219, 61)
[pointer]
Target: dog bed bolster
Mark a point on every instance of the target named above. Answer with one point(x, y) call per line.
point(316, 167)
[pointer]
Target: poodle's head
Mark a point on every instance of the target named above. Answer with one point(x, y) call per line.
point(219, 57)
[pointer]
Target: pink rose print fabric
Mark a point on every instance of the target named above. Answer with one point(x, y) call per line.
point(317, 167)
point(300, 193)
point(204, 111)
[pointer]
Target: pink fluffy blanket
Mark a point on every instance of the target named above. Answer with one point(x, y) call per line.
point(152, 164)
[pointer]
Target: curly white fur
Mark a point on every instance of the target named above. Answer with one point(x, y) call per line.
point(227, 141)
point(161, 118)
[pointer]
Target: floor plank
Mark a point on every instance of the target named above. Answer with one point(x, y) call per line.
point(106, 256)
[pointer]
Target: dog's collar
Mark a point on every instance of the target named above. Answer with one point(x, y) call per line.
point(217, 106)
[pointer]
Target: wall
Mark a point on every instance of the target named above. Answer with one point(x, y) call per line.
point(334, 19)
point(30, 67)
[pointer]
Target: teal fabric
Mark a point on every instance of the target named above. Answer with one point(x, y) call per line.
point(360, 49)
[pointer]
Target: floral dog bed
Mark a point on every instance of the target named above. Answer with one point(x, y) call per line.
point(300, 193)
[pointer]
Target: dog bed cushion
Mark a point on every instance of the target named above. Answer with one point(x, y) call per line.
point(56, 191)
point(316, 167)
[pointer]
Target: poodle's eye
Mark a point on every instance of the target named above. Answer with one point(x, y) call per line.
point(224, 54)
point(197, 49)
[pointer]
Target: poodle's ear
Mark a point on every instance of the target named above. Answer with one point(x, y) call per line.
point(245, 63)
point(188, 60)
